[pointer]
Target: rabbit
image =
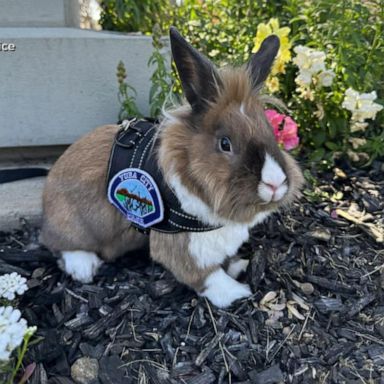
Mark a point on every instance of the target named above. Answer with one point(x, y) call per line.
point(218, 154)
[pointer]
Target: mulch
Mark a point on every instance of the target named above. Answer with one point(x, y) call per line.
point(316, 316)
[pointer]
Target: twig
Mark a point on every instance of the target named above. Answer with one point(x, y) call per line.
point(211, 316)
point(282, 343)
point(75, 295)
point(152, 362)
point(368, 337)
point(220, 344)
point(374, 271)
point(304, 325)
point(190, 324)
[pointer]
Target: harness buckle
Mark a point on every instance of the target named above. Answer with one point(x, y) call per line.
point(126, 124)
point(124, 127)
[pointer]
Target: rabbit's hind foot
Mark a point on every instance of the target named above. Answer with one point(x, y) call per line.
point(80, 265)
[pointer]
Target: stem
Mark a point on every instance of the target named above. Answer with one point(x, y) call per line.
point(19, 359)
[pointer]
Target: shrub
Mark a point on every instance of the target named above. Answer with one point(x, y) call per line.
point(347, 37)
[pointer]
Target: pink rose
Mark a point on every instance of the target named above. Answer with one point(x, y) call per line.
point(284, 128)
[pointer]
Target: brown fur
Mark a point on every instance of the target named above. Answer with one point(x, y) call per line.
point(76, 213)
point(227, 184)
point(78, 216)
point(171, 250)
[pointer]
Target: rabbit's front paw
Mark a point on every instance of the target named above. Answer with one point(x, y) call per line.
point(80, 265)
point(222, 290)
point(237, 267)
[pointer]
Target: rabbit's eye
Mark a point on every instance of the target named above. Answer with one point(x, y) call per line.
point(225, 144)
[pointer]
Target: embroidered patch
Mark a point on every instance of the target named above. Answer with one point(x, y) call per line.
point(135, 194)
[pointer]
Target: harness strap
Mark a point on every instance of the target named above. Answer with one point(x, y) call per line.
point(135, 147)
point(14, 174)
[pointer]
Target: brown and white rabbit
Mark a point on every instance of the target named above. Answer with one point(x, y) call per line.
point(219, 156)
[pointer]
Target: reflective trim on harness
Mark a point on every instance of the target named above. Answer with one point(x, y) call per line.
point(136, 186)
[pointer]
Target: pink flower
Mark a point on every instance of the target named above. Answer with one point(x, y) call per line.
point(284, 128)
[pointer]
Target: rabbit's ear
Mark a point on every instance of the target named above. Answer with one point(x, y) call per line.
point(261, 62)
point(198, 75)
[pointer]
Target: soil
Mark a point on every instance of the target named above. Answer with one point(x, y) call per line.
point(316, 315)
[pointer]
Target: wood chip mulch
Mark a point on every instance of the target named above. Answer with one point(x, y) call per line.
point(316, 316)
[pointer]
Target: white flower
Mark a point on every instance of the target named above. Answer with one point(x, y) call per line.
point(351, 99)
point(306, 93)
point(12, 283)
point(357, 126)
point(353, 156)
point(304, 78)
point(326, 78)
point(310, 63)
point(357, 142)
point(361, 105)
point(308, 59)
point(357, 156)
point(12, 331)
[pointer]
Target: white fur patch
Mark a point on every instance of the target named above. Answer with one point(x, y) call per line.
point(196, 207)
point(212, 247)
point(259, 218)
point(192, 204)
point(272, 172)
point(236, 267)
point(272, 175)
point(280, 192)
point(80, 265)
point(221, 290)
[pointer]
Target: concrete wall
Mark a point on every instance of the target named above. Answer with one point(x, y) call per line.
point(39, 13)
point(61, 83)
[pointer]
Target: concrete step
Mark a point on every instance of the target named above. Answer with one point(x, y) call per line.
point(39, 13)
point(61, 82)
point(21, 200)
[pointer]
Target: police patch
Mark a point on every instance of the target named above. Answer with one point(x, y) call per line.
point(135, 194)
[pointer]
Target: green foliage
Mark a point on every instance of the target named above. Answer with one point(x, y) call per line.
point(126, 95)
point(132, 15)
point(20, 353)
point(350, 32)
point(161, 79)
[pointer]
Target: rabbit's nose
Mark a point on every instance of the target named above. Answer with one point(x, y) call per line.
point(272, 173)
point(272, 192)
point(274, 187)
point(273, 184)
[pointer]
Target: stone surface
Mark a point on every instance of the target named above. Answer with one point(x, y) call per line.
point(21, 200)
point(39, 13)
point(61, 82)
point(85, 370)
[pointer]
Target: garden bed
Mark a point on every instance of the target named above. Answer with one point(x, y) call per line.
point(317, 314)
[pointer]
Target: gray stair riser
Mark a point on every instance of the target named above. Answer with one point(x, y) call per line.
point(61, 83)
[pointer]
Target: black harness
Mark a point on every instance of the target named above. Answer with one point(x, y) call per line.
point(135, 148)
